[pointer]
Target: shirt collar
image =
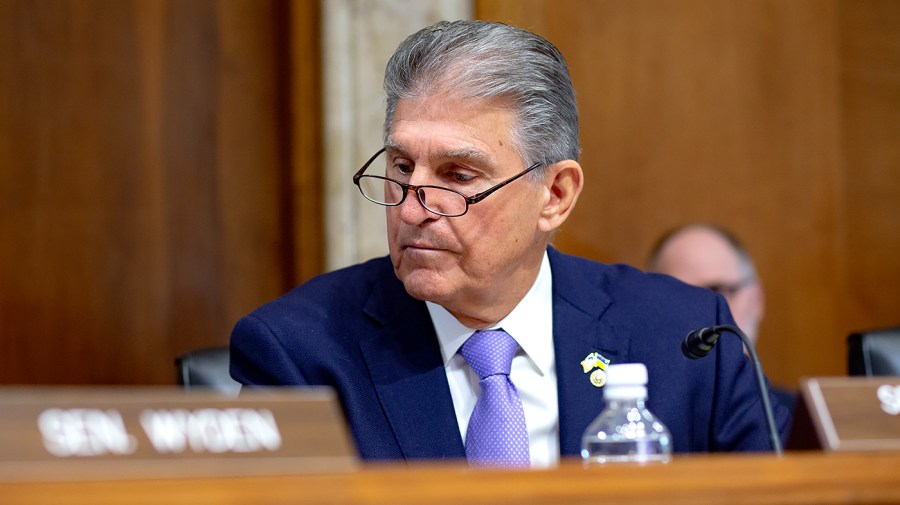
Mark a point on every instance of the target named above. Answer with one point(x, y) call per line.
point(530, 323)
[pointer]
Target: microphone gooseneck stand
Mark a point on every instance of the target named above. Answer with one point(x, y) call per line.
point(699, 343)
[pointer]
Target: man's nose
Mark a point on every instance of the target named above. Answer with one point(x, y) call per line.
point(412, 211)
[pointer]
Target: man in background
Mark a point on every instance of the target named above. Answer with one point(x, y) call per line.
point(709, 256)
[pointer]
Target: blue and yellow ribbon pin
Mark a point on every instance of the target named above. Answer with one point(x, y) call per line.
point(596, 362)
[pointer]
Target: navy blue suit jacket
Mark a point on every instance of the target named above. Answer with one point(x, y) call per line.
point(358, 331)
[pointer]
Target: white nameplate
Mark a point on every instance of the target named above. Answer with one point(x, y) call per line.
point(85, 433)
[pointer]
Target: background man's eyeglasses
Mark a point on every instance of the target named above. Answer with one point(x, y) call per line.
point(728, 290)
point(439, 200)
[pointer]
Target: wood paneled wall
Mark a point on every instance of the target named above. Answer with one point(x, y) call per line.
point(869, 235)
point(159, 164)
point(146, 179)
point(778, 120)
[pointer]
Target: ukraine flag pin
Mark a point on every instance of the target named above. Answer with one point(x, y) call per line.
point(596, 364)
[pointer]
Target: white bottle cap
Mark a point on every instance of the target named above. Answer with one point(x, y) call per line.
point(626, 380)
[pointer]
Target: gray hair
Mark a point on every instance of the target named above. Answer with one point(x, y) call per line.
point(489, 61)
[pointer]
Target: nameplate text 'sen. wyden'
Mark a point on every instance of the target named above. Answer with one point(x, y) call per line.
point(85, 433)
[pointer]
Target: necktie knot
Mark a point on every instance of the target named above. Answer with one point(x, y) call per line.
point(489, 352)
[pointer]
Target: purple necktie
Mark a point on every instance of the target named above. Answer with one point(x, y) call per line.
point(496, 435)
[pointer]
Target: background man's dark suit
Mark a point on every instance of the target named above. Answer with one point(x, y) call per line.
point(358, 331)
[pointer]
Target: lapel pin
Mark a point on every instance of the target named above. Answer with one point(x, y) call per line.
point(596, 362)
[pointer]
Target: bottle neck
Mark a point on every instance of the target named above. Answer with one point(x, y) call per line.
point(625, 403)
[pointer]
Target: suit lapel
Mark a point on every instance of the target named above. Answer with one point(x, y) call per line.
point(406, 368)
point(580, 327)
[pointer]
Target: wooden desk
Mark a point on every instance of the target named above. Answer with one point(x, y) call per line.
point(809, 478)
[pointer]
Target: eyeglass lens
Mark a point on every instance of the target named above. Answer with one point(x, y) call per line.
point(377, 186)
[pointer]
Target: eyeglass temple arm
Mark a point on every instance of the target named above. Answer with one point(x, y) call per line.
point(359, 172)
point(484, 194)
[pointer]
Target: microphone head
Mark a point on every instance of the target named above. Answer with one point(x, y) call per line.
point(698, 343)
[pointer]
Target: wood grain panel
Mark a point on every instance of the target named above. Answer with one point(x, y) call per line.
point(731, 112)
point(305, 139)
point(870, 106)
point(145, 181)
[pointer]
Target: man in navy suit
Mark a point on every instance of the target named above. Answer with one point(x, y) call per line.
point(478, 171)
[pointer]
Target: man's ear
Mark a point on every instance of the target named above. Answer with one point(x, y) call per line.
point(563, 183)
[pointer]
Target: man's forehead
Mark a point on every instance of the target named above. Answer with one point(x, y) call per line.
point(478, 132)
point(448, 109)
point(701, 258)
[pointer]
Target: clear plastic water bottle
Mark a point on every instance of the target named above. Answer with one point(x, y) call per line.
point(626, 432)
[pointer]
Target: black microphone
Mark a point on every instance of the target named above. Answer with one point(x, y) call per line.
point(699, 343)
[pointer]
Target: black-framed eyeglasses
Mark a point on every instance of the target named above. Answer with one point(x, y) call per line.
point(439, 200)
point(729, 289)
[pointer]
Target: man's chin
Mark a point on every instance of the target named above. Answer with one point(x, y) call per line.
point(425, 285)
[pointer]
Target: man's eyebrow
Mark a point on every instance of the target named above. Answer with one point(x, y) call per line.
point(394, 146)
point(466, 153)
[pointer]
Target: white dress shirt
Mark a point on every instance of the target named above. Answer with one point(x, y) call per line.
point(533, 368)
